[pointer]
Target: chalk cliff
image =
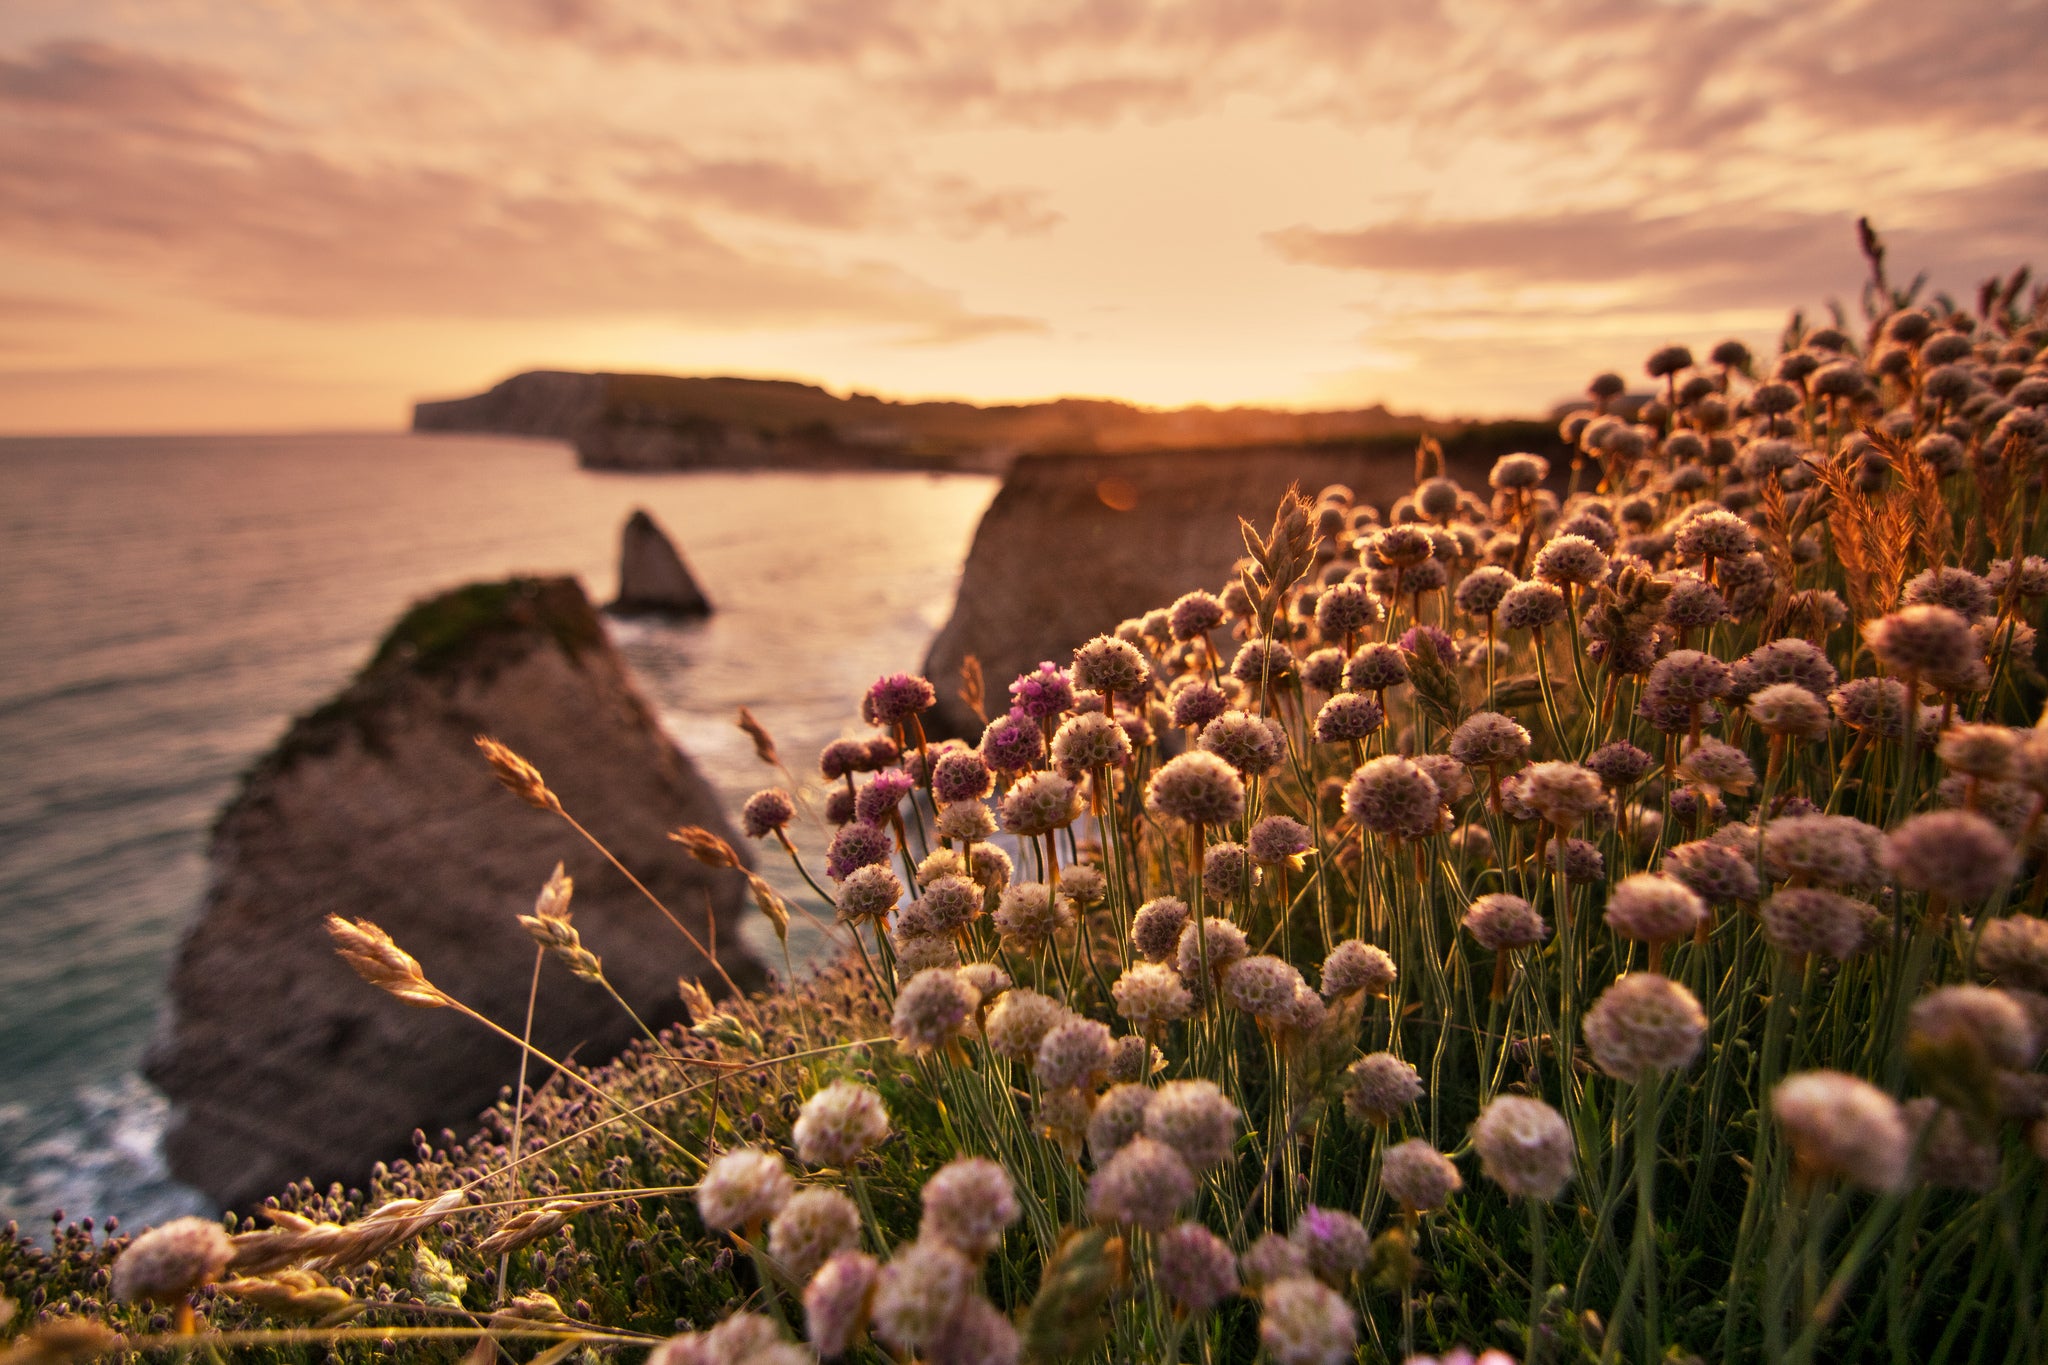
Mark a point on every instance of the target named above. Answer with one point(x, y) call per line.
point(279, 1062)
point(1074, 544)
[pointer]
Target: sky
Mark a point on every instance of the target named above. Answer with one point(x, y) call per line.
point(226, 215)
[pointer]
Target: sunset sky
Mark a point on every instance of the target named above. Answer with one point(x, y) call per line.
point(282, 214)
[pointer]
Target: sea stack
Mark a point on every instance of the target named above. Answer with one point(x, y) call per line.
point(653, 580)
point(279, 1062)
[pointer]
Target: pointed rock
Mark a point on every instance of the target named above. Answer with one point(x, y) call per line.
point(653, 579)
point(279, 1062)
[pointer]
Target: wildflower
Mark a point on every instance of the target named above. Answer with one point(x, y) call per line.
point(1251, 744)
point(1875, 707)
point(1348, 717)
point(1717, 767)
point(1083, 883)
point(876, 803)
point(1502, 921)
point(1802, 920)
point(1043, 693)
point(1957, 589)
point(1479, 594)
point(1790, 710)
point(1344, 609)
point(1524, 1146)
point(1038, 804)
point(1131, 1059)
point(1156, 928)
point(1988, 1023)
point(1196, 1119)
point(840, 1123)
point(1375, 668)
point(1644, 1024)
point(967, 822)
point(856, 846)
point(1920, 640)
point(1334, 1243)
point(1390, 795)
point(1579, 860)
point(765, 812)
point(1714, 535)
point(1074, 1054)
point(1519, 471)
point(1261, 986)
point(1323, 670)
point(1531, 606)
point(1012, 744)
point(743, 1188)
point(895, 698)
point(1271, 1258)
point(1088, 742)
point(1487, 739)
point(1141, 1185)
point(1020, 1021)
point(961, 775)
point(811, 1228)
point(931, 1009)
point(1985, 752)
point(1031, 915)
point(1196, 704)
point(1715, 872)
point(167, 1263)
point(1150, 994)
point(836, 1301)
point(1195, 1268)
point(1562, 793)
point(1957, 855)
point(1117, 1117)
point(1694, 603)
point(1194, 615)
point(1836, 850)
point(869, 892)
point(1653, 908)
point(950, 902)
point(1378, 1086)
point(1112, 667)
point(967, 1204)
point(1197, 787)
point(1619, 765)
point(1841, 1126)
point(1570, 561)
point(2014, 952)
point(1686, 675)
point(1419, 1176)
point(1305, 1322)
point(1354, 966)
point(919, 1292)
point(1276, 839)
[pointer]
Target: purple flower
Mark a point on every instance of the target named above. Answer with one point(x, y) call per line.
point(895, 698)
point(1044, 693)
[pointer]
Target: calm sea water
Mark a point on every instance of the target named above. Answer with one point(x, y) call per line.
point(168, 604)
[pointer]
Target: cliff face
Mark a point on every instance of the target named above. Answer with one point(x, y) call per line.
point(279, 1062)
point(539, 403)
point(654, 421)
point(1074, 544)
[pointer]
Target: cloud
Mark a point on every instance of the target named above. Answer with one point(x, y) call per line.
point(1741, 256)
point(139, 163)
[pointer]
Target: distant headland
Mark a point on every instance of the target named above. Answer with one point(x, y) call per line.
point(654, 422)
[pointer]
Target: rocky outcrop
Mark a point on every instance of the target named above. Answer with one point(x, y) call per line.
point(653, 580)
point(558, 403)
point(1074, 544)
point(279, 1062)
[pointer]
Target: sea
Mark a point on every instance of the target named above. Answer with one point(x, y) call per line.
point(168, 604)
